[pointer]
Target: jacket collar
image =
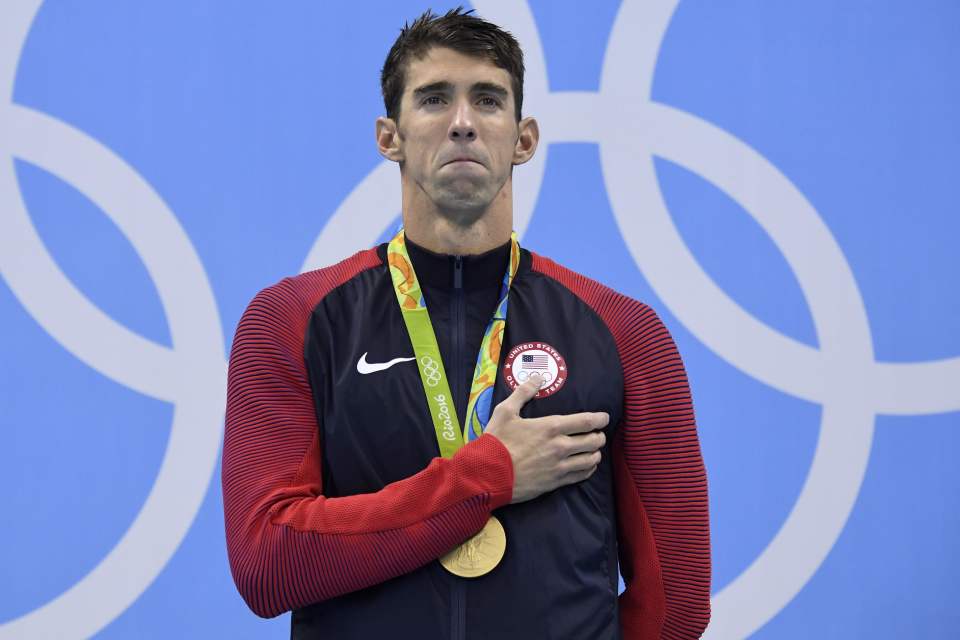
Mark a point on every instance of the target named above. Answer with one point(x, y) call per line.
point(477, 271)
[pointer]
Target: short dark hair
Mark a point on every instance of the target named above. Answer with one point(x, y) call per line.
point(457, 30)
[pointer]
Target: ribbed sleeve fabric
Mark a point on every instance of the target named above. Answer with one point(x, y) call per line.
point(288, 544)
point(659, 476)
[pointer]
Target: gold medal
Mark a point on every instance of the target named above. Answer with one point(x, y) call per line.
point(480, 554)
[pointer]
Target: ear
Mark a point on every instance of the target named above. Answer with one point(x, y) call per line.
point(388, 139)
point(528, 136)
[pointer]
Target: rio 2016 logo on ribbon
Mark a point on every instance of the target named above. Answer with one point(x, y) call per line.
point(842, 375)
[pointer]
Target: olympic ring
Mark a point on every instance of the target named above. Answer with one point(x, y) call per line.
point(431, 370)
point(523, 375)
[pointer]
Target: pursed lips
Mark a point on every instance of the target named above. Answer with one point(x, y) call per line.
point(462, 160)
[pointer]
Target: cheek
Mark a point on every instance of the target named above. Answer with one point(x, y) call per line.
point(413, 153)
point(503, 155)
point(419, 150)
point(506, 143)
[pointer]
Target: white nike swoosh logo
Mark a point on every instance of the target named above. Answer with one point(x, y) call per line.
point(365, 367)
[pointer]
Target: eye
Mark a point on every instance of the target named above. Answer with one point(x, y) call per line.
point(428, 99)
point(490, 101)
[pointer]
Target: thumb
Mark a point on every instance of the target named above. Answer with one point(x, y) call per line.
point(523, 394)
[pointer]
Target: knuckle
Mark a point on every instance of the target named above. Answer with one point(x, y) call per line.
point(553, 427)
point(567, 467)
point(582, 462)
point(556, 449)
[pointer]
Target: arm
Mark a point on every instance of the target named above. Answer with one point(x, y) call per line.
point(288, 544)
point(661, 490)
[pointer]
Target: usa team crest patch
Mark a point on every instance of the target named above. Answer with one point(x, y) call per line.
point(528, 358)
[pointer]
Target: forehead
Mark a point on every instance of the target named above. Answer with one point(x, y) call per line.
point(441, 64)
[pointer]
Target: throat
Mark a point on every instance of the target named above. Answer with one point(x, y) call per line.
point(443, 236)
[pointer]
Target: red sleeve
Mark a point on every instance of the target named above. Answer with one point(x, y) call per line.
point(663, 529)
point(288, 544)
point(661, 487)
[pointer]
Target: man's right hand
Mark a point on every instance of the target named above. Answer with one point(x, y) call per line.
point(547, 452)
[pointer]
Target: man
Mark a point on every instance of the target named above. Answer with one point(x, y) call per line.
point(369, 487)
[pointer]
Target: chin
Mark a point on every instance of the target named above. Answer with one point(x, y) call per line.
point(465, 201)
point(462, 212)
point(463, 217)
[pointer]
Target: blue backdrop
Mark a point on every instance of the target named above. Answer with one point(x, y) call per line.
point(777, 179)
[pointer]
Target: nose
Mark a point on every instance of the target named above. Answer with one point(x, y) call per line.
point(461, 127)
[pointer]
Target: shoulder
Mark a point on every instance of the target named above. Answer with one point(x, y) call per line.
point(618, 311)
point(644, 343)
point(305, 290)
point(286, 305)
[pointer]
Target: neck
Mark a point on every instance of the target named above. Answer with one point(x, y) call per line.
point(446, 238)
point(428, 227)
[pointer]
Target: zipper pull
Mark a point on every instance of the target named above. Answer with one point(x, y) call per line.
point(458, 272)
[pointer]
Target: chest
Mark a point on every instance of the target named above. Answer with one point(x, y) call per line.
point(373, 415)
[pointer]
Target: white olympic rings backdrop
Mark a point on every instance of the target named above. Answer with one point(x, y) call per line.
point(72, 576)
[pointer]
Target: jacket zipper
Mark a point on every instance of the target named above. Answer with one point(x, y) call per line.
point(458, 612)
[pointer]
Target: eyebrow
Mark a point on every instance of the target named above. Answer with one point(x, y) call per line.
point(446, 87)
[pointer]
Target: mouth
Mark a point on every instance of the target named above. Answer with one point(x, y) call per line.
point(463, 161)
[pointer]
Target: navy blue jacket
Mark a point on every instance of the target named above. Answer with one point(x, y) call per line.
point(337, 503)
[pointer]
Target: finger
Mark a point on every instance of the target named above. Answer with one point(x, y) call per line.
point(577, 476)
point(584, 443)
point(522, 394)
point(579, 462)
point(574, 422)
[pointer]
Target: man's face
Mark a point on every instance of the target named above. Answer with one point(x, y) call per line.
point(458, 132)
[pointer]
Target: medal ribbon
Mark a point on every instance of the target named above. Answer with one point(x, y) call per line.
point(413, 307)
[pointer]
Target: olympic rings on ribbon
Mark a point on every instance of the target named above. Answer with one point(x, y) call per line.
point(431, 371)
